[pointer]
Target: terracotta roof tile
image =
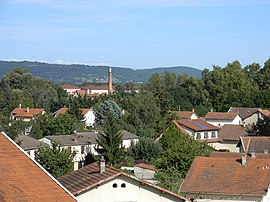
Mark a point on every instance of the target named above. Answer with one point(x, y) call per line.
point(217, 154)
point(265, 112)
point(214, 175)
point(22, 112)
point(69, 86)
point(94, 87)
point(89, 176)
point(21, 179)
point(197, 125)
point(221, 115)
point(65, 109)
point(232, 132)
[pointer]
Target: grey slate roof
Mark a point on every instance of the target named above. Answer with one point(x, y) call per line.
point(28, 143)
point(84, 138)
point(244, 112)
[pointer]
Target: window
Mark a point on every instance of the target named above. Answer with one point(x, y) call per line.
point(114, 185)
point(213, 135)
point(69, 149)
point(123, 185)
point(82, 149)
point(198, 136)
point(205, 135)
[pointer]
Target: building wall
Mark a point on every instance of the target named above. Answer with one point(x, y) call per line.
point(133, 191)
point(252, 119)
point(142, 173)
point(31, 153)
point(231, 145)
point(127, 143)
point(71, 91)
point(194, 116)
point(89, 118)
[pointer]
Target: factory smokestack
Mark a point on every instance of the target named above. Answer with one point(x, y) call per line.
point(110, 88)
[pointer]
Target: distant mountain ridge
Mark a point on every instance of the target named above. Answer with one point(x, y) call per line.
point(77, 74)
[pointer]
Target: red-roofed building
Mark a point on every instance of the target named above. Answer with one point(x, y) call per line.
point(70, 89)
point(186, 114)
point(222, 118)
point(97, 182)
point(22, 179)
point(228, 179)
point(26, 114)
point(88, 114)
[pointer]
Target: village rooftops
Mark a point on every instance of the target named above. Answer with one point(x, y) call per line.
point(221, 115)
point(232, 132)
point(196, 125)
point(27, 112)
point(209, 175)
point(23, 179)
point(95, 87)
point(85, 138)
point(258, 144)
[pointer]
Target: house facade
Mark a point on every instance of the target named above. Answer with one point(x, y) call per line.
point(70, 89)
point(26, 114)
point(104, 183)
point(222, 118)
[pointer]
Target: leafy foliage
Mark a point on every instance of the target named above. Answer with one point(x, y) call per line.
point(262, 128)
point(55, 160)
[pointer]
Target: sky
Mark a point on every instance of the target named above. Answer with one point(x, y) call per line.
point(136, 33)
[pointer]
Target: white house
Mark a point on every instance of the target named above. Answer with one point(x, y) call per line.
point(88, 115)
point(222, 118)
point(93, 89)
point(26, 114)
point(97, 182)
point(228, 179)
point(249, 115)
point(70, 89)
point(85, 143)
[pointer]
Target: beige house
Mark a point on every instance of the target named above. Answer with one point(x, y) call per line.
point(228, 179)
point(97, 182)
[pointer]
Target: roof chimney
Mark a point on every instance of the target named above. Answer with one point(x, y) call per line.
point(265, 151)
point(244, 159)
point(27, 109)
point(193, 110)
point(110, 89)
point(253, 154)
point(102, 165)
point(20, 105)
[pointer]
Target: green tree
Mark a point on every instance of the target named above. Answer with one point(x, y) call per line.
point(56, 160)
point(261, 128)
point(110, 140)
point(146, 149)
point(106, 107)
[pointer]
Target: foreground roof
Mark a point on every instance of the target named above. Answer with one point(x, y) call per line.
point(221, 115)
point(237, 155)
point(244, 112)
point(23, 179)
point(26, 112)
point(232, 132)
point(89, 176)
point(196, 125)
point(214, 175)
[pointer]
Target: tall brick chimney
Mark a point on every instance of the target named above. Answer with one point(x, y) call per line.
point(110, 88)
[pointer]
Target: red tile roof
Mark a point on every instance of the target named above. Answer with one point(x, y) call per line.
point(69, 86)
point(196, 125)
point(232, 132)
point(265, 112)
point(94, 87)
point(22, 112)
point(22, 179)
point(221, 115)
point(88, 177)
point(184, 114)
point(217, 154)
point(227, 176)
point(146, 166)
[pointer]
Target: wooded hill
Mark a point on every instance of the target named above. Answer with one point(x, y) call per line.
point(78, 74)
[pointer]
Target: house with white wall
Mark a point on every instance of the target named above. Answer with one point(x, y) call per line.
point(104, 183)
point(228, 179)
point(249, 115)
point(88, 115)
point(70, 89)
point(222, 118)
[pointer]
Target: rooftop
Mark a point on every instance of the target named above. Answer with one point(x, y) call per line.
point(27, 142)
point(23, 179)
point(244, 112)
point(196, 125)
point(26, 112)
point(221, 115)
point(232, 132)
point(214, 175)
point(69, 86)
point(184, 114)
point(259, 144)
